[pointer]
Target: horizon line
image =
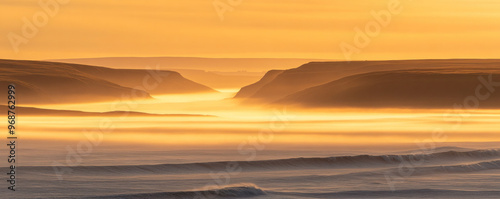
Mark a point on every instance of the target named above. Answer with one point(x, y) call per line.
point(263, 58)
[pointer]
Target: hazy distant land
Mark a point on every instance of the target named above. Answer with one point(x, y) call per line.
point(214, 72)
point(31, 111)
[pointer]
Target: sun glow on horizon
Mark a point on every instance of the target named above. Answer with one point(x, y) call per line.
point(234, 124)
point(255, 28)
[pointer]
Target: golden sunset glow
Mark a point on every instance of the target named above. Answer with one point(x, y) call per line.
point(234, 124)
point(260, 99)
point(256, 28)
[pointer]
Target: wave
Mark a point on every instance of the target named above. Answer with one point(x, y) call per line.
point(407, 193)
point(464, 168)
point(398, 173)
point(439, 149)
point(360, 161)
point(233, 191)
point(253, 191)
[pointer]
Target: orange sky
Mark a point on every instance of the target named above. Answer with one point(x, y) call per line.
point(255, 28)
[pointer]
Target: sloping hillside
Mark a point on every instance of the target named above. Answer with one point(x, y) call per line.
point(404, 89)
point(318, 73)
point(48, 82)
point(251, 89)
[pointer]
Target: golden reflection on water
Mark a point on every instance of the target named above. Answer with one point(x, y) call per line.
point(235, 123)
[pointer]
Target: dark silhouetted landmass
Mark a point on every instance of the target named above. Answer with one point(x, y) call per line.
point(49, 82)
point(433, 88)
point(318, 73)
